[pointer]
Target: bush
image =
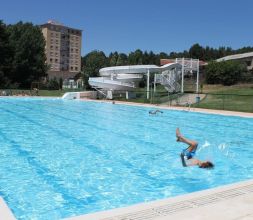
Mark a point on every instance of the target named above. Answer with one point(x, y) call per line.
point(53, 84)
point(226, 72)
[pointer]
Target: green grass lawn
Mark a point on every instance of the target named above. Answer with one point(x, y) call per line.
point(233, 98)
point(160, 96)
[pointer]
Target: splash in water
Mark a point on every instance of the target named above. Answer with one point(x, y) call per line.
point(204, 146)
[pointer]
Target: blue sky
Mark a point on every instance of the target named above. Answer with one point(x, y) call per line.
point(157, 25)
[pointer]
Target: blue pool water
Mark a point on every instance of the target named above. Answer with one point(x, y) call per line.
point(66, 158)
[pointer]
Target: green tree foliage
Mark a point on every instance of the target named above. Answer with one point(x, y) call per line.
point(53, 84)
point(92, 63)
point(113, 58)
point(5, 56)
point(122, 60)
point(135, 58)
point(225, 72)
point(28, 46)
point(196, 52)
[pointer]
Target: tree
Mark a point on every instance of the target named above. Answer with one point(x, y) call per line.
point(225, 72)
point(113, 57)
point(122, 60)
point(93, 62)
point(5, 56)
point(53, 84)
point(196, 52)
point(153, 58)
point(135, 58)
point(28, 46)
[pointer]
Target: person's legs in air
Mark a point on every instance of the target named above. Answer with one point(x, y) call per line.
point(192, 144)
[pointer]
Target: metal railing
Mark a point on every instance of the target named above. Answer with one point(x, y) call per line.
point(230, 102)
point(222, 101)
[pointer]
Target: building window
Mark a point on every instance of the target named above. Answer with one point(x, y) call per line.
point(76, 50)
point(51, 60)
point(56, 60)
point(76, 68)
point(51, 47)
point(71, 67)
point(56, 48)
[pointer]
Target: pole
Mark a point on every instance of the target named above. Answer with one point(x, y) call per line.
point(148, 85)
point(197, 89)
point(182, 83)
point(155, 83)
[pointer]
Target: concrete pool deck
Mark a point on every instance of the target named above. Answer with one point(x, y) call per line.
point(5, 212)
point(199, 110)
point(229, 202)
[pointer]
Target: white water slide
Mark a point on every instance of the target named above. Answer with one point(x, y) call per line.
point(126, 78)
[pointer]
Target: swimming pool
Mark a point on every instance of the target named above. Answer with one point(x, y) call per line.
point(66, 158)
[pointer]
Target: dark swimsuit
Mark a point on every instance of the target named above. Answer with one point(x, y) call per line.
point(189, 154)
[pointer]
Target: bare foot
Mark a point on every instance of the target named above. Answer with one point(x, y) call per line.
point(178, 135)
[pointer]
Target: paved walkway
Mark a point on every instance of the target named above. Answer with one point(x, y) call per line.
point(185, 100)
point(179, 108)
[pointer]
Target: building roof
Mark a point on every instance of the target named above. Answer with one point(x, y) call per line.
point(236, 56)
point(53, 23)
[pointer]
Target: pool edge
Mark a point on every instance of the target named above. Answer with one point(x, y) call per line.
point(198, 110)
point(216, 204)
point(6, 213)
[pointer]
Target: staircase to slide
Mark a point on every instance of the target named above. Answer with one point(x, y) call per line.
point(169, 80)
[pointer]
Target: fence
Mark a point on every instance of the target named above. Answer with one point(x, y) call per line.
point(231, 102)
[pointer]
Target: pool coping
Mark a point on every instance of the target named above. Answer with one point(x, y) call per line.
point(198, 110)
point(208, 204)
point(6, 213)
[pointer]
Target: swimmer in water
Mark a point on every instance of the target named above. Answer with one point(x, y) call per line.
point(153, 112)
point(189, 153)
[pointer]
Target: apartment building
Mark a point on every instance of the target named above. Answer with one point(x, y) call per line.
point(63, 50)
